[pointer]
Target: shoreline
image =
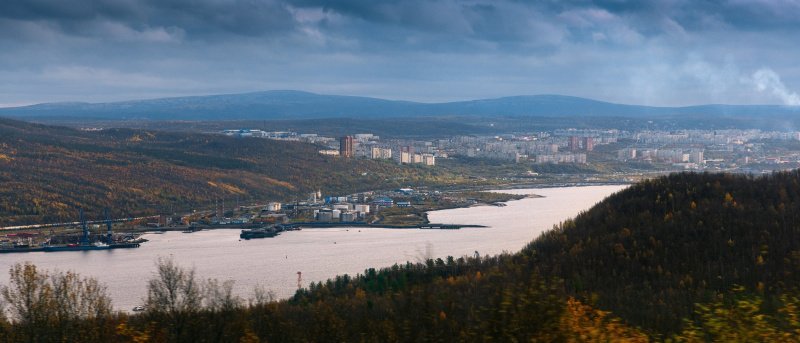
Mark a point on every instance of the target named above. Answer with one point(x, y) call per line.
point(424, 224)
point(552, 185)
point(312, 253)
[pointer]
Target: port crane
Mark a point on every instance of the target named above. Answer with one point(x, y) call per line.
point(109, 234)
point(85, 236)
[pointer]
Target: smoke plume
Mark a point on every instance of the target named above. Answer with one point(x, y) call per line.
point(766, 79)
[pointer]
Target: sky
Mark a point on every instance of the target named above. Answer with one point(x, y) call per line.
point(662, 53)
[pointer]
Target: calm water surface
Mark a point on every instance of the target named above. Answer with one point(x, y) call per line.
point(319, 253)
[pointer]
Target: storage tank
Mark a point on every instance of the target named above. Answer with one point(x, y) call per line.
point(342, 207)
point(348, 217)
point(325, 216)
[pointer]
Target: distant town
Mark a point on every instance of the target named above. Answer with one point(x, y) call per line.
point(751, 151)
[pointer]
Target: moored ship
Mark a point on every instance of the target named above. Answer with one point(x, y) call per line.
point(264, 232)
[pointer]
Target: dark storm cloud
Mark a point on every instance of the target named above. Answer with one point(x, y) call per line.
point(493, 16)
point(704, 14)
point(657, 52)
point(194, 18)
point(491, 21)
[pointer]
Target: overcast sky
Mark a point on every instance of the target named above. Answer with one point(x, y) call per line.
point(655, 53)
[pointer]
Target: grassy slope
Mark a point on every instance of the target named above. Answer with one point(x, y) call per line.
point(47, 171)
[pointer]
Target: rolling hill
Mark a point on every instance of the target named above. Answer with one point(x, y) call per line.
point(272, 105)
point(651, 252)
point(48, 171)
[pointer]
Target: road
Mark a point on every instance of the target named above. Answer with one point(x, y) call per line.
point(44, 226)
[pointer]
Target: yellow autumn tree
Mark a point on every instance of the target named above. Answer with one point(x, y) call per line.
point(742, 319)
point(582, 323)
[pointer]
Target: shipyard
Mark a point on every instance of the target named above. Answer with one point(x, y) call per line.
point(65, 240)
point(403, 208)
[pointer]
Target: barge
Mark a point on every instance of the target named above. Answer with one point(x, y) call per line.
point(266, 232)
point(70, 247)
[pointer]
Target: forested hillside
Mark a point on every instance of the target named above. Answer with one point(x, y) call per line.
point(652, 251)
point(47, 171)
point(684, 258)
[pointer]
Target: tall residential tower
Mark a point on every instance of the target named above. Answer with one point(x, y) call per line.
point(346, 148)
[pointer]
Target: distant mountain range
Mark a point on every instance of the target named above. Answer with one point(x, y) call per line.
point(284, 104)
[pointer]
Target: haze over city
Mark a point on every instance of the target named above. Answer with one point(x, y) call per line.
point(670, 53)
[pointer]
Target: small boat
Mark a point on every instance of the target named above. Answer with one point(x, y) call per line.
point(138, 308)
